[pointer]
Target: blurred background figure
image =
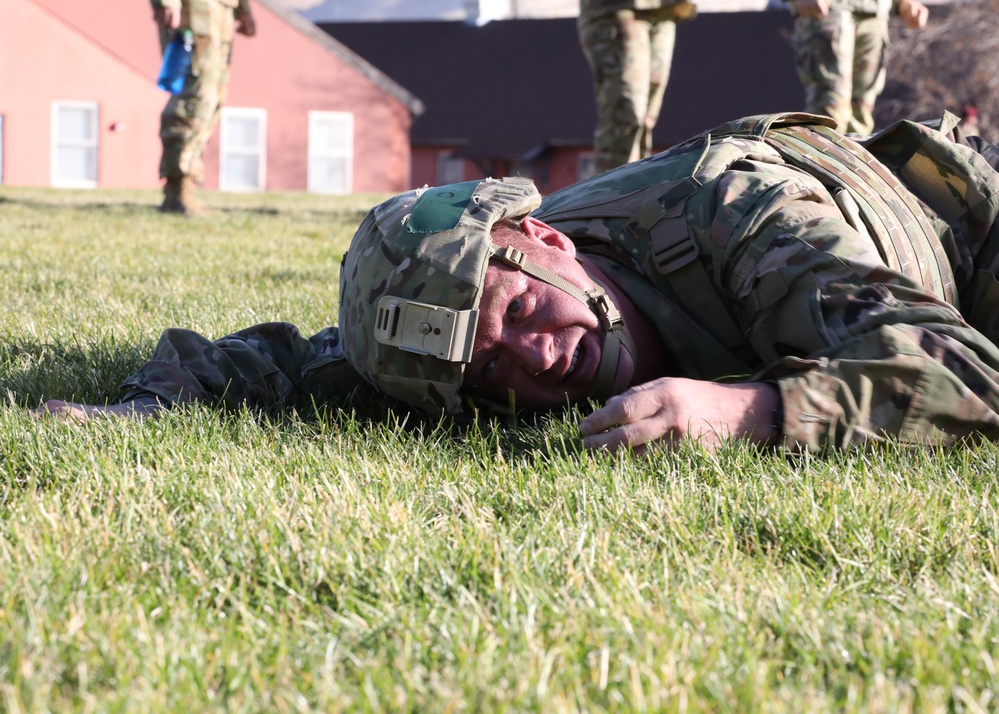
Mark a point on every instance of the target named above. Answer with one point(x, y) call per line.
point(189, 117)
point(841, 51)
point(969, 120)
point(629, 46)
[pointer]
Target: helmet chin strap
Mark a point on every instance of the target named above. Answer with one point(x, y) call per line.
point(598, 302)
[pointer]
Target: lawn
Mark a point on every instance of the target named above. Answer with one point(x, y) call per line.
point(339, 562)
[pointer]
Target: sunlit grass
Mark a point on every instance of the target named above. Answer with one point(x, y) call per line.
point(333, 562)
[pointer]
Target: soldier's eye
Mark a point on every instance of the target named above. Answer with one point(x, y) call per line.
point(487, 369)
point(515, 307)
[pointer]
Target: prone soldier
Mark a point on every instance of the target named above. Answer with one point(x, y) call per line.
point(770, 280)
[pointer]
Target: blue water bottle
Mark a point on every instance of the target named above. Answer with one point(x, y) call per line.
point(176, 62)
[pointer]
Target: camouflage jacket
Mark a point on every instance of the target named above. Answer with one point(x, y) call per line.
point(775, 249)
point(267, 366)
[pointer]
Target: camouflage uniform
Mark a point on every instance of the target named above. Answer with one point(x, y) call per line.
point(629, 46)
point(266, 366)
point(769, 249)
point(189, 118)
point(842, 59)
point(775, 249)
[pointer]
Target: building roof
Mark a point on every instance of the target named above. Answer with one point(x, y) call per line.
point(426, 10)
point(387, 84)
point(512, 89)
point(382, 10)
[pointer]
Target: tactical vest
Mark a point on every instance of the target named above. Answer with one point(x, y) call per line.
point(659, 210)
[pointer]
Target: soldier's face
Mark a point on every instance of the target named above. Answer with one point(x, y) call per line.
point(532, 338)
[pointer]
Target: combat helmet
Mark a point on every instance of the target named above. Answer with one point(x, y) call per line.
point(412, 280)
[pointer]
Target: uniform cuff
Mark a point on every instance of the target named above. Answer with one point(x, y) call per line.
point(165, 381)
point(811, 418)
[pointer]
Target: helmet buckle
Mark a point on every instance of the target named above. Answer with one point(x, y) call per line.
point(511, 256)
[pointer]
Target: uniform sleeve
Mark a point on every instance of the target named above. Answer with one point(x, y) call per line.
point(267, 366)
point(857, 350)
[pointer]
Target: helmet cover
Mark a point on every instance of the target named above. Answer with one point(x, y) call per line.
point(429, 248)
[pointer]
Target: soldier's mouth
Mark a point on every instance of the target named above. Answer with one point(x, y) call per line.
point(572, 364)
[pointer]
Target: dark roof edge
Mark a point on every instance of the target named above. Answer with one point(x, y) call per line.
point(378, 78)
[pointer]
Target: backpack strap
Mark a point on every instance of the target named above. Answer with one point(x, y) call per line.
point(675, 254)
point(901, 230)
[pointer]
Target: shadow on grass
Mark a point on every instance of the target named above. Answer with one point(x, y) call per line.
point(352, 215)
point(32, 372)
point(479, 435)
point(103, 206)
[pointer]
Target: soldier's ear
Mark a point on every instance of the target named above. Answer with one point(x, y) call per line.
point(545, 234)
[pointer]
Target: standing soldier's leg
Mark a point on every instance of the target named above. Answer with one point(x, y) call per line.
point(662, 37)
point(215, 86)
point(187, 123)
point(870, 61)
point(617, 48)
point(174, 126)
point(169, 168)
point(823, 49)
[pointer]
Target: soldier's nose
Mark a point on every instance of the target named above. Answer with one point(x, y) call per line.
point(535, 351)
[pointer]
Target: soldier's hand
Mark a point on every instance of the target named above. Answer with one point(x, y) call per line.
point(246, 25)
point(811, 8)
point(913, 13)
point(167, 18)
point(68, 411)
point(666, 410)
point(72, 411)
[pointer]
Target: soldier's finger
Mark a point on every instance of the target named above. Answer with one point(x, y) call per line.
point(611, 440)
point(622, 409)
point(638, 437)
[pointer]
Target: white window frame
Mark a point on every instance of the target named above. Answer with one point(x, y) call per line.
point(445, 170)
point(347, 152)
point(586, 165)
point(225, 152)
point(55, 144)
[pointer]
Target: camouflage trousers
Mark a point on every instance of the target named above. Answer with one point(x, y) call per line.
point(189, 118)
point(841, 60)
point(630, 54)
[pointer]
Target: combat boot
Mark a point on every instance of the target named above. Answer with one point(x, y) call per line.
point(171, 197)
point(178, 197)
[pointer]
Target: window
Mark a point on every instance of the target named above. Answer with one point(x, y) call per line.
point(331, 152)
point(243, 159)
point(586, 166)
point(74, 145)
point(450, 169)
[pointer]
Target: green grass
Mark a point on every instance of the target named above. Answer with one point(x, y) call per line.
point(287, 563)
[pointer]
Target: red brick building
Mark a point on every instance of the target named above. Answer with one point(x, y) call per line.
point(79, 105)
